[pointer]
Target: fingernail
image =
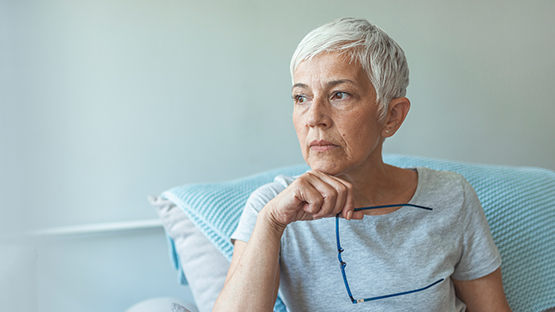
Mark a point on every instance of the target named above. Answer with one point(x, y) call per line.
point(349, 215)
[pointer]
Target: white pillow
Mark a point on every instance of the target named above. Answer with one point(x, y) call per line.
point(203, 265)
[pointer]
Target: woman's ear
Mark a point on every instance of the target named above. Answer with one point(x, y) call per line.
point(396, 113)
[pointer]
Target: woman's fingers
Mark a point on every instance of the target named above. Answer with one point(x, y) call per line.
point(346, 203)
point(319, 195)
point(355, 215)
point(336, 195)
point(315, 195)
point(344, 198)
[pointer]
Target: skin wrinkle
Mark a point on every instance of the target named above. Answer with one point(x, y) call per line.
point(352, 124)
point(321, 111)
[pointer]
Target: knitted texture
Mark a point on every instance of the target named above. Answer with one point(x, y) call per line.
point(215, 208)
point(519, 203)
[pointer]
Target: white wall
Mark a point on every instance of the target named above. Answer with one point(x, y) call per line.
point(105, 102)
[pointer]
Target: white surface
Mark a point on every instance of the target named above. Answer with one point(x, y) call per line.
point(203, 265)
point(98, 228)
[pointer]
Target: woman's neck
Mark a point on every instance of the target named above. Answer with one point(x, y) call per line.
point(381, 184)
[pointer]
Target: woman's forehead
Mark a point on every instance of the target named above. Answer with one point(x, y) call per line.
point(328, 68)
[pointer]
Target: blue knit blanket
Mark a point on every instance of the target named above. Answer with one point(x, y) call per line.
point(519, 203)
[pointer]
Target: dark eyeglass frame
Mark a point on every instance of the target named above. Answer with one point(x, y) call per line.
point(342, 263)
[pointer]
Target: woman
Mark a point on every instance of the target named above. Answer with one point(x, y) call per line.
point(349, 85)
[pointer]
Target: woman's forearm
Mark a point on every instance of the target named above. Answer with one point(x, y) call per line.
point(253, 280)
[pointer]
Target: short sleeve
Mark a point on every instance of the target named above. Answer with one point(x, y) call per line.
point(479, 256)
point(257, 200)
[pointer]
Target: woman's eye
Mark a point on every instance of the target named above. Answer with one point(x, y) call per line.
point(340, 95)
point(300, 99)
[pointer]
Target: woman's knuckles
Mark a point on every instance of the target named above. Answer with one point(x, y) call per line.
point(314, 195)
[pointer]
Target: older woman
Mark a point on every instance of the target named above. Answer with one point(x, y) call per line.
point(428, 249)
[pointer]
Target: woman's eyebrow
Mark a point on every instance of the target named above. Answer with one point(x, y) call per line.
point(337, 82)
point(328, 84)
point(299, 85)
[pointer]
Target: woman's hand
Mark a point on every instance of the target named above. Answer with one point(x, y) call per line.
point(314, 195)
point(252, 282)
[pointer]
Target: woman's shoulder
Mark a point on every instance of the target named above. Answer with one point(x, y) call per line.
point(442, 184)
point(280, 183)
point(441, 177)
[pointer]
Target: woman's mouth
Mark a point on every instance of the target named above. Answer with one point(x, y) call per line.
point(321, 145)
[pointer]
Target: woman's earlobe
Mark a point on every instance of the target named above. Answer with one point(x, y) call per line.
point(398, 111)
point(389, 132)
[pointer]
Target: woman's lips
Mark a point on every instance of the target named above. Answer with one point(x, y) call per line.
point(321, 145)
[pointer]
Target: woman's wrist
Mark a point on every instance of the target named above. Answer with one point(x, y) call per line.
point(268, 217)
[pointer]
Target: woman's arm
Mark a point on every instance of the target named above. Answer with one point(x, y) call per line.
point(253, 278)
point(483, 294)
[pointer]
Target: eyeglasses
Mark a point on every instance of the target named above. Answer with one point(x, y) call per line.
point(343, 264)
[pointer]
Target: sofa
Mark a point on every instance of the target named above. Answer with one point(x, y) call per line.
point(519, 203)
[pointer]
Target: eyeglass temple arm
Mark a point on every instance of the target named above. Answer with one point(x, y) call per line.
point(343, 264)
point(389, 206)
point(399, 294)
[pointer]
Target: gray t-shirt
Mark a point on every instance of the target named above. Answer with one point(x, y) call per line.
point(401, 251)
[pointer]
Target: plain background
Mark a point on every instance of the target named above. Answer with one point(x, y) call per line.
point(105, 102)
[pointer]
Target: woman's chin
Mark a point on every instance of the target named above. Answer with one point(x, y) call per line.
point(329, 168)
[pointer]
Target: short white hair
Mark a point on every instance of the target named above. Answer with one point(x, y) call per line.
point(380, 56)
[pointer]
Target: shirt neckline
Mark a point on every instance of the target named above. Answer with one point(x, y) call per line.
point(421, 176)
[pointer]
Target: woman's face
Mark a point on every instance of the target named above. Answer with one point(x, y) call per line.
point(336, 115)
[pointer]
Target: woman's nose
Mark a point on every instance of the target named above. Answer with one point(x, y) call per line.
point(318, 114)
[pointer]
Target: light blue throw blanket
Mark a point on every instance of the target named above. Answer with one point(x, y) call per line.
point(519, 203)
